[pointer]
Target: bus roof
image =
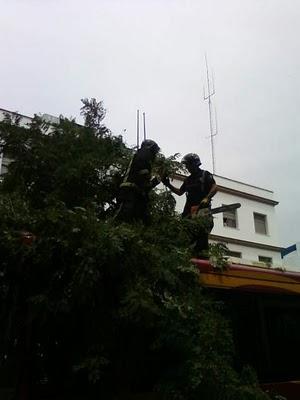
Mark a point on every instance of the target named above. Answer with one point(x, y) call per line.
point(248, 278)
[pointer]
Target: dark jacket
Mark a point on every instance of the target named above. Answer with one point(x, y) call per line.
point(196, 186)
point(138, 175)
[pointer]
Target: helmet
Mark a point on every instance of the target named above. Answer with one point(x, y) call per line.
point(151, 145)
point(191, 159)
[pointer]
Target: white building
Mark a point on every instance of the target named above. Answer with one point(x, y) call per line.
point(249, 232)
point(24, 121)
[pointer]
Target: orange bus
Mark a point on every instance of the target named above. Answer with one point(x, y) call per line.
point(264, 307)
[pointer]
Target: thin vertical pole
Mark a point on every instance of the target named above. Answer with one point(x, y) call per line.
point(144, 120)
point(1, 162)
point(210, 118)
point(138, 129)
point(210, 93)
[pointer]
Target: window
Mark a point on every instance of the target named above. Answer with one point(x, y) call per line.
point(266, 260)
point(235, 254)
point(230, 218)
point(260, 223)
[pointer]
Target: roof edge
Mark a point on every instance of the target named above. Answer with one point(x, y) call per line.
point(15, 113)
point(245, 243)
point(246, 195)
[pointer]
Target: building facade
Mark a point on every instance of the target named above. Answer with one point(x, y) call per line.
point(23, 120)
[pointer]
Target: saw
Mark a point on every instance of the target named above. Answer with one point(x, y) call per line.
point(202, 212)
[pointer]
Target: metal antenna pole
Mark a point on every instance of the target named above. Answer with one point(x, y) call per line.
point(138, 129)
point(144, 120)
point(1, 162)
point(213, 132)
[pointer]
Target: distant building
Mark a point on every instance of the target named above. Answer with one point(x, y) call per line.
point(250, 232)
point(24, 120)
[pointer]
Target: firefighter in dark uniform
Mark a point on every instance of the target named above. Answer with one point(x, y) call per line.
point(137, 184)
point(199, 187)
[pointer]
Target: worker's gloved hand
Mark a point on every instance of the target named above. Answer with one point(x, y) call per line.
point(205, 201)
point(155, 181)
point(166, 181)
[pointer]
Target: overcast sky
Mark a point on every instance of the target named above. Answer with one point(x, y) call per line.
point(149, 54)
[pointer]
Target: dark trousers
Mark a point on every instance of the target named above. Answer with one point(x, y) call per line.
point(199, 239)
point(133, 207)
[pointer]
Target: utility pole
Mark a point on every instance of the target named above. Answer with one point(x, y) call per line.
point(213, 129)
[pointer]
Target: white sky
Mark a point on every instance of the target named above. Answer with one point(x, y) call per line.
point(149, 54)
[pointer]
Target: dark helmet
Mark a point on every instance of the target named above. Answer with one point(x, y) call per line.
point(151, 145)
point(191, 159)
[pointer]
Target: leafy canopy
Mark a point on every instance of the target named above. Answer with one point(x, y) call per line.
point(109, 309)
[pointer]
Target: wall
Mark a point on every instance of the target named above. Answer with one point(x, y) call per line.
point(250, 254)
point(245, 220)
point(24, 120)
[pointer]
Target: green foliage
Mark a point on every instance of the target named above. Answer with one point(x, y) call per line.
point(109, 309)
point(218, 255)
point(166, 166)
point(68, 163)
point(93, 113)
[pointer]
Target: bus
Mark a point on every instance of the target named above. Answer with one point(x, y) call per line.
point(264, 307)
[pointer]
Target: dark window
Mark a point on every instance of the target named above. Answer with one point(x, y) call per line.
point(267, 260)
point(260, 223)
point(230, 218)
point(236, 254)
point(266, 333)
point(283, 325)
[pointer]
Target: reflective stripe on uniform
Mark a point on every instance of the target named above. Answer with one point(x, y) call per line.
point(128, 184)
point(144, 172)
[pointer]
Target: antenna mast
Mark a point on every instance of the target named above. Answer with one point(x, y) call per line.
point(138, 128)
point(213, 129)
point(144, 121)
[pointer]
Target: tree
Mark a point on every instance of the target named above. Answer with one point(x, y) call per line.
point(91, 306)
